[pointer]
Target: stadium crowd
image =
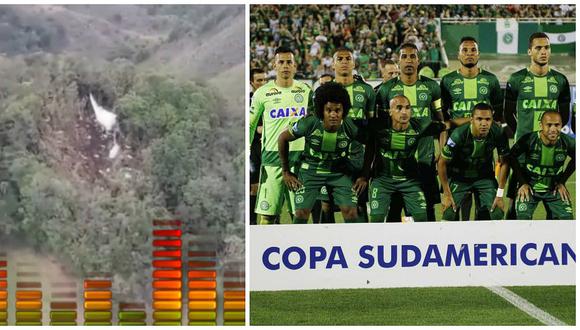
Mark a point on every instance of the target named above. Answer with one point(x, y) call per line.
point(373, 32)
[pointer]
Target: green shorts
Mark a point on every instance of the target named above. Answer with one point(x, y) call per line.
point(484, 191)
point(560, 210)
point(382, 188)
point(272, 192)
point(339, 185)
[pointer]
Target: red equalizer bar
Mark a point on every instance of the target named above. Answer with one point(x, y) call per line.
point(3, 289)
point(202, 282)
point(98, 299)
point(28, 294)
point(167, 272)
point(234, 286)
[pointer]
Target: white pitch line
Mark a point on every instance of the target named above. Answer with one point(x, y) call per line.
point(525, 306)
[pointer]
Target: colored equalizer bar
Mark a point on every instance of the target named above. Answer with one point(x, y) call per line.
point(131, 313)
point(202, 281)
point(28, 294)
point(3, 289)
point(234, 293)
point(98, 300)
point(167, 273)
point(63, 303)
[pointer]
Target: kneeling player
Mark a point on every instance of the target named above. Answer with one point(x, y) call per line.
point(394, 143)
point(328, 134)
point(543, 177)
point(468, 160)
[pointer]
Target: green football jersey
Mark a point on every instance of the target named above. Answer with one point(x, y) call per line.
point(396, 150)
point(543, 164)
point(325, 152)
point(471, 158)
point(279, 108)
point(534, 95)
point(460, 94)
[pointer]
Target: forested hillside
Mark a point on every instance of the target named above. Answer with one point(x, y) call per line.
point(181, 142)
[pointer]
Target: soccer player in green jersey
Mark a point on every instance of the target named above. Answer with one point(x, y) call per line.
point(392, 146)
point(467, 165)
point(466, 87)
point(257, 79)
point(329, 134)
point(542, 176)
point(280, 103)
point(424, 95)
point(532, 91)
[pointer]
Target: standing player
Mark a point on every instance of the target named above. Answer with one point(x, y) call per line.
point(542, 176)
point(466, 87)
point(329, 134)
point(257, 80)
point(532, 91)
point(424, 95)
point(468, 159)
point(279, 103)
point(393, 145)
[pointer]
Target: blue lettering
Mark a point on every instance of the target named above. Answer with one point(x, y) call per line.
point(452, 253)
point(381, 257)
point(432, 256)
point(524, 255)
point(513, 254)
point(498, 252)
point(317, 253)
point(301, 258)
point(302, 112)
point(548, 254)
point(479, 255)
point(567, 251)
point(405, 249)
point(281, 113)
point(273, 113)
point(266, 258)
point(336, 258)
point(364, 253)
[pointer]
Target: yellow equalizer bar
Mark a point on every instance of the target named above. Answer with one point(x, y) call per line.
point(3, 289)
point(28, 294)
point(234, 286)
point(167, 272)
point(202, 282)
point(63, 304)
point(98, 300)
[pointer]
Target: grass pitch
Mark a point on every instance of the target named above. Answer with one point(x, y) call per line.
point(408, 306)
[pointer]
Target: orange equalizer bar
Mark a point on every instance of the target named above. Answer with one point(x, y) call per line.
point(3, 289)
point(234, 287)
point(202, 283)
point(63, 302)
point(28, 294)
point(98, 298)
point(167, 272)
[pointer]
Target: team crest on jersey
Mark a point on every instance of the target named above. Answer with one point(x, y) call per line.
point(358, 89)
point(422, 88)
point(412, 141)
point(560, 157)
point(342, 144)
point(298, 98)
point(359, 98)
point(527, 80)
point(528, 89)
point(299, 199)
point(273, 91)
point(374, 205)
point(457, 82)
point(522, 207)
point(423, 97)
point(553, 89)
point(483, 90)
point(457, 91)
point(264, 205)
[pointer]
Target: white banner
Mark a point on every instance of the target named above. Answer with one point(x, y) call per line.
point(562, 38)
point(507, 35)
point(385, 255)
